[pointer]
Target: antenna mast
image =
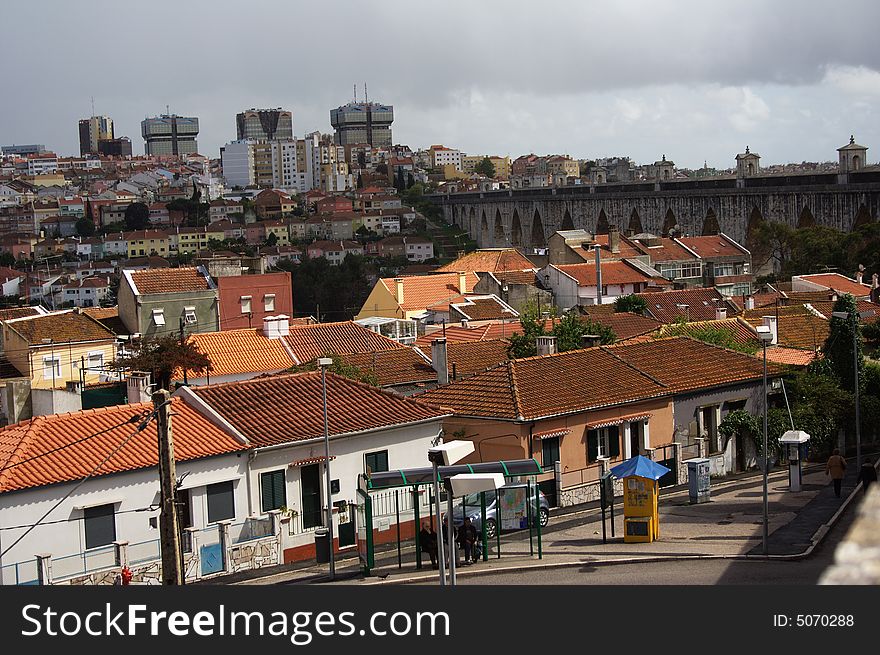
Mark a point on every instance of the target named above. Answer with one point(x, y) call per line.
point(366, 97)
point(355, 87)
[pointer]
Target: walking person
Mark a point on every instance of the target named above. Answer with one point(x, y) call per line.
point(428, 542)
point(867, 475)
point(836, 467)
point(467, 537)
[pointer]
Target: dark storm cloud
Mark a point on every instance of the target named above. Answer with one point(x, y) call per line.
point(476, 74)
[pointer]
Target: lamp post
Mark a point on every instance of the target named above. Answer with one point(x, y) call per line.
point(324, 362)
point(856, 316)
point(765, 334)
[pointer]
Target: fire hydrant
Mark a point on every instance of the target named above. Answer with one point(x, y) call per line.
point(126, 575)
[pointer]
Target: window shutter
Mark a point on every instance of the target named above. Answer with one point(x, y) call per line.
point(592, 445)
point(613, 442)
point(273, 491)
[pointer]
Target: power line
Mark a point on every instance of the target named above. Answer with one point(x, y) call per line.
point(97, 468)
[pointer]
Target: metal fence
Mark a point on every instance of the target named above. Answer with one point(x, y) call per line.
point(89, 561)
point(20, 573)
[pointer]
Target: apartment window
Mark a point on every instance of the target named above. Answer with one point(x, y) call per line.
point(100, 525)
point(51, 367)
point(189, 315)
point(96, 359)
point(269, 302)
point(724, 269)
point(221, 501)
point(604, 442)
point(273, 490)
point(376, 462)
point(245, 304)
point(159, 317)
point(549, 452)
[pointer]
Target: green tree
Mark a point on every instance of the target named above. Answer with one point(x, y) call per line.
point(568, 330)
point(272, 239)
point(85, 227)
point(340, 367)
point(399, 182)
point(838, 347)
point(165, 356)
point(137, 216)
point(360, 182)
point(723, 337)
point(410, 180)
point(631, 303)
point(485, 167)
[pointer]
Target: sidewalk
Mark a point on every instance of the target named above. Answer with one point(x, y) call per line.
point(730, 526)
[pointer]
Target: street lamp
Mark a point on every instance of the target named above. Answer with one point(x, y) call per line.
point(446, 454)
point(765, 334)
point(856, 315)
point(324, 362)
point(465, 484)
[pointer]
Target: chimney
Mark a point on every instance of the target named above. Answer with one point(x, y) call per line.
point(614, 239)
point(546, 345)
point(770, 322)
point(19, 406)
point(589, 340)
point(282, 325)
point(138, 387)
point(859, 275)
point(462, 282)
point(398, 289)
point(439, 359)
point(720, 313)
point(749, 302)
point(464, 323)
point(275, 327)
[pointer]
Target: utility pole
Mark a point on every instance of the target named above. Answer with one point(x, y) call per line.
point(183, 343)
point(169, 534)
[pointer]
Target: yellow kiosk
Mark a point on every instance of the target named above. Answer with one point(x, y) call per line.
point(641, 518)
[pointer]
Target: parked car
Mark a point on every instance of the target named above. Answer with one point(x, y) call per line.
point(472, 503)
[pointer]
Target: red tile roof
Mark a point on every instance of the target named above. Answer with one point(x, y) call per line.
point(289, 408)
point(797, 328)
point(438, 290)
point(485, 308)
point(60, 327)
point(494, 260)
point(625, 325)
point(662, 305)
point(550, 385)
point(308, 342)
point(469, 357)
point(740, 330)
point(17, 312)
point(838, 282)
point(195, 437)
point(789, 356)
point(613, 272)
point(709, 247)
point(233, 352)
point(169, 280)
point(393, 367)
point(667, 250)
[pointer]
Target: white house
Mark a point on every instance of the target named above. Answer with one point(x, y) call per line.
point(577, 284)
point(282, 417)
point(111, 519)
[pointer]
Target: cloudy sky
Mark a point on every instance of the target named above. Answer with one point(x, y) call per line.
point(696, 81)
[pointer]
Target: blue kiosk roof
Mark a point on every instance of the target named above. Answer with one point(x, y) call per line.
point(640, 466)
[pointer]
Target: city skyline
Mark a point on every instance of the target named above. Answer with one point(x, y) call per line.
point(695, 83)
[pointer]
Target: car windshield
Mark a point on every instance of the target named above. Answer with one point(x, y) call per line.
point(473, 500)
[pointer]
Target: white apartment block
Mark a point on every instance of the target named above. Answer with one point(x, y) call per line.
point(238, 163)
point(446, 157)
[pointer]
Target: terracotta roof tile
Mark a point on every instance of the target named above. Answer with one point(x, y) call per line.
point(797, 328)
point(667, 251)
point(838, 282)
point(663, 305)
point(613, 272)
point(194, 437)
point(17, 312)
point(393, 367)
point(516, 277)
point(61, 327)
point(493, 260)
point(170, 280)
point(789, 356)
point(288, 408)
point(438, 290)
point(233, 352)
point(740, 330)
point(550, 385)
point(310, 341)
point(717, 245)
point(485, 308)
point(625, 325)
point(469, 357)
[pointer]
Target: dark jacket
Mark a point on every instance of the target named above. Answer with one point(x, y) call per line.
point(427, 540)
point(467, 533)
point(867, 474)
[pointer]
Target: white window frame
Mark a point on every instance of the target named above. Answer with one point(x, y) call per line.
point(189, 316)
point(602, 445)
point(158, 317)
point(245, 304)
point(269, 302)
point(47, 370)
point(95, 353)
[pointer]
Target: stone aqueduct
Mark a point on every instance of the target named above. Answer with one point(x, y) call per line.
point(527, 217)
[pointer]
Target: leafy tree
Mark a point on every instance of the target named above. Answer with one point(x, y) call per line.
point(360, 182)
point(137, 216)
point(382, 169)
point(838, 347)
point(742, 424)
point(723, 337)
point(631, 303)
point(568, 330)
point(399, 182)
point(362, 159)
point(272, 239)
point(410, 180)
point(85, 227)
point(485, 167)
point(164, 356)
point(6, 259)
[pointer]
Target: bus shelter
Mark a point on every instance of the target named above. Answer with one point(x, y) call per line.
point(413, 494)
